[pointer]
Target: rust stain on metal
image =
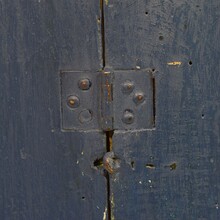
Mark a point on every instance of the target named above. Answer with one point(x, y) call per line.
point(140, 97)
point(108, 165)
point(71, 102)
point(108, 87)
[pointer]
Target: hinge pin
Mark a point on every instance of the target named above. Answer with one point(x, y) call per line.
point(106, 101)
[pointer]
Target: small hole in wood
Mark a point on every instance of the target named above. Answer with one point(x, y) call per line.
point(98, 162)
point(173, 166)
point(132, 164)
point(161, 37)
point(83, 197)
point(190, 63)
point(146, 13)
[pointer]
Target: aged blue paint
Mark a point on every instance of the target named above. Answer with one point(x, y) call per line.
point(168, 172)
point(171, 172)
point(45, 173)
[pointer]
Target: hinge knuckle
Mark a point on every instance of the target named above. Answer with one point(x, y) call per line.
point(107, 101)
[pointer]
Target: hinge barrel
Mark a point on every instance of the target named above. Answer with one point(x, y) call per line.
point(107, 101)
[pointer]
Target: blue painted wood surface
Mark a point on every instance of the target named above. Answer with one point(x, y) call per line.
point(171, 172)
point(45, 173)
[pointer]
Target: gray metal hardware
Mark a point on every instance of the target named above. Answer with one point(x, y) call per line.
point(109, 100)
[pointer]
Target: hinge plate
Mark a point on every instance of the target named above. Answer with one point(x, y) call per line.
point(84, 115)
point(120, 100)
point(133, 100)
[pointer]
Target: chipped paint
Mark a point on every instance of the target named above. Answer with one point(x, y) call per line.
point(174, 63)
point(112, 207)
point(105, 214)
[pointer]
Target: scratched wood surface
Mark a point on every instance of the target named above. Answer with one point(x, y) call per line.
point(171, 172)
point(45, 173)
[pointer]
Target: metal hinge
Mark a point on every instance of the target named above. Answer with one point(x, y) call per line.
point(108, 100)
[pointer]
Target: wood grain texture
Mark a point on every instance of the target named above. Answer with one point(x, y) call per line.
point(171, 172)
point(44, 173)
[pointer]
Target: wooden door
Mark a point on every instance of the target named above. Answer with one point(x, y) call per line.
point(170, 171)
point(153, 152)
point(46, 173)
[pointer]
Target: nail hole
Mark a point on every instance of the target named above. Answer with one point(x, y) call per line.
point(173, 166)
point(190, 63)
point(153, 70)
point(98, 162)
point(161, 37)
point(132, 164)
point(83, 198)
point(146, 13)
point(150, 166)
point(203, 116)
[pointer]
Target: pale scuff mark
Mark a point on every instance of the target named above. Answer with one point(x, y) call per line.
point(112, 206)
point(106, 2)
point(174, 63)
point(105, 214)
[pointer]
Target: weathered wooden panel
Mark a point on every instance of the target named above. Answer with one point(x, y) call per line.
point(45, 173)
point(171, 172)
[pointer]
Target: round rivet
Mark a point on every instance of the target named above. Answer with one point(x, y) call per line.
point(127, 87)
point(85, 116)
point(73, 101)
point(139, 98)
point(128, 116)
point(84, 84)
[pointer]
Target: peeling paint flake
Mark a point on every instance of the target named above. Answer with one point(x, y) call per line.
point(105, 214)
point(174, 63)
point(112, 206)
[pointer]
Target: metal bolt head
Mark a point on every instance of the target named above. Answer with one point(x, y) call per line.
point(139, 98)
point(84, 84)
point(128, 116)
point(73, 101)
point(127, 87)
point(110, 162)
